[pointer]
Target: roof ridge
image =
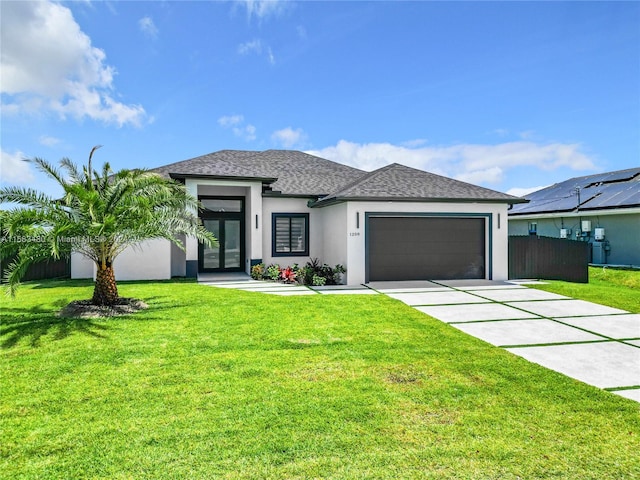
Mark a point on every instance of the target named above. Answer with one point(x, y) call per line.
point(412, 182)
point(364, 177)
point(163, 167)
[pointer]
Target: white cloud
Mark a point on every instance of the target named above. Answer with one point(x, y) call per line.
point(236, 123)
point(13, 168)
point(247, 132)
point(48, 141)
point(147, 27)
point(229, 120)
point(49, 64)
point(272, 59)
point(254, 46)
point(289, 138)
point(521, 192)
point(264, 8)
point(487, 175)
point(469, 162)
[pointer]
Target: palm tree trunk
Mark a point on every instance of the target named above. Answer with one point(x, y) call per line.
point(105, 291)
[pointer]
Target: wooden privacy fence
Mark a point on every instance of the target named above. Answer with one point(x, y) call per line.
point(43, 270)
point(548, 258)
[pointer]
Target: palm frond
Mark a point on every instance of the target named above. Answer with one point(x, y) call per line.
point(48, 168)
point(72, 170)
point(26, 196)
point(89, 169)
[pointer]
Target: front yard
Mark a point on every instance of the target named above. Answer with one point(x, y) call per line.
point(213, 383)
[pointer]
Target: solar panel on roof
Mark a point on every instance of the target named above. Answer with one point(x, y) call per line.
point(615, 195)
point(596, 191)
point(621, 176)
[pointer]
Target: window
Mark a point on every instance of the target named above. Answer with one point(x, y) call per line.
point(290, 234)
point(221, 204)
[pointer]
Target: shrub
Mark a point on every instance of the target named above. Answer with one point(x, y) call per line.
point(273, 272)
point(318, 281)
point(288, 275)
point(257, 271)
point(314, 272)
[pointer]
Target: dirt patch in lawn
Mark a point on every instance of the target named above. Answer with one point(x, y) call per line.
point(86, 309)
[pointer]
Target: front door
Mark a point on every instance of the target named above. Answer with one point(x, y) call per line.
point(224, 217)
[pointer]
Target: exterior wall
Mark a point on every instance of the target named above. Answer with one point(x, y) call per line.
point(497, 242)
point(335, 225)
point(291, 205)
point(337, 235)
point(81, 266)
point(622, 230)
point(150, 260)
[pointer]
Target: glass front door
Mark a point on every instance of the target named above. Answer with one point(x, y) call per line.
point(227, 224)
point(232, 257)
point(210, 257)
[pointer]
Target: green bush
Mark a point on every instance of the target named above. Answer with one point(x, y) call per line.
point(319, 281)
point(313, 273)
point(257, 271)
point(273, 272)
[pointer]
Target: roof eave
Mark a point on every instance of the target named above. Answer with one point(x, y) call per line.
point(335, 200)
point(289, 195)
point(223, 177)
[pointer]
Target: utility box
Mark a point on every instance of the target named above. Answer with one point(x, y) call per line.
point(565, 233)
point(598, 253)
point(586, 226)
point(598, 234)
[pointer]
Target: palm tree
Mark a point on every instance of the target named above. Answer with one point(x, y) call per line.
point(99, 215)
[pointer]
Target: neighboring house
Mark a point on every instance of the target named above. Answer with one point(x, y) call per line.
point(602, 209)
point(286, 207)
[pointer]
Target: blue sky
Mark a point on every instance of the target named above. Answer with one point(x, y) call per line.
point(508, 95)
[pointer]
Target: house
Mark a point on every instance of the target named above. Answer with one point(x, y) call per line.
point(286, 207)
point(602, 209)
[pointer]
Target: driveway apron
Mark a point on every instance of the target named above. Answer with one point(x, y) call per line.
point(595, 344)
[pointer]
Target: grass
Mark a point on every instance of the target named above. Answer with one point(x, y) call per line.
point(607, 286)
point(213, 383)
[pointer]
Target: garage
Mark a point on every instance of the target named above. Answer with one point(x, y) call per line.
point(423, 248)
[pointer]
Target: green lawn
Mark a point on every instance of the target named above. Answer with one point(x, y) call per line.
point(214, 383)
point(607, 286)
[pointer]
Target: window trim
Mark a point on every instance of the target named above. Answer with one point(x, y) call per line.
point(289, 216)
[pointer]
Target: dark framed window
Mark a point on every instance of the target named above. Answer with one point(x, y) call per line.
point(290, 234)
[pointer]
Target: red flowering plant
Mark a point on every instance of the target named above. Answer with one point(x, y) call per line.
point(288, 275)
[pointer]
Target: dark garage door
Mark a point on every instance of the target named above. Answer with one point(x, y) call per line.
point(421, 248)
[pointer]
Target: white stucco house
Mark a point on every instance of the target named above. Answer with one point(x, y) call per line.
point(286, 207)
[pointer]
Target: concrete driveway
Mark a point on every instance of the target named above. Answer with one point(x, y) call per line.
point(592, 343)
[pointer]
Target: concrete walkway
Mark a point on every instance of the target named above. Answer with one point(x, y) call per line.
point(592, 343)
point(241, 281)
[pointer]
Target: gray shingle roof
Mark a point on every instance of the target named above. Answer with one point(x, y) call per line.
point(398, 182)
point(297, 173)
point(619, 189)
